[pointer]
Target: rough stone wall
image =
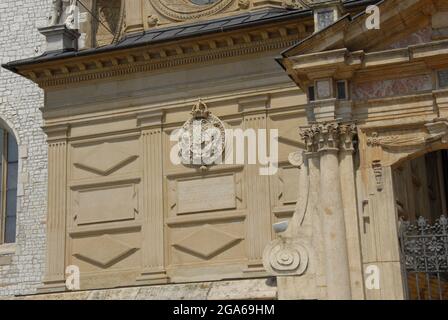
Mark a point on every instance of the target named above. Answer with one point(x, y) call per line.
point(20, 101)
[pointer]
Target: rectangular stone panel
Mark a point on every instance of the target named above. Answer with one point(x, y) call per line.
point(206, 194)
point(105, 204)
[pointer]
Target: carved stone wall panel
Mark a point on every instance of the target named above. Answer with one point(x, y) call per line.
point(106, 257)
point(104, 204)
point(214, 192)
point(206, 243)
point(105, 159)
point(206, 194)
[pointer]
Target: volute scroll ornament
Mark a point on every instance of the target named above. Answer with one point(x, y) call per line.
point(288, 255)
point(282, 257)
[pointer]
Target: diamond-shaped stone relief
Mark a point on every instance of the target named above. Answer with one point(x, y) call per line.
point(104, 251)
point(207, 242)
point(105, 159)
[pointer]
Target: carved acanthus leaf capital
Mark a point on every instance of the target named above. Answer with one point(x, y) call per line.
point(329, 136)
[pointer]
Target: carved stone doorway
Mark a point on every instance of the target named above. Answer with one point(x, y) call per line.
point(421, 193)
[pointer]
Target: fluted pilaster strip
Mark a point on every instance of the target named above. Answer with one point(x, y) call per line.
point(258, 204)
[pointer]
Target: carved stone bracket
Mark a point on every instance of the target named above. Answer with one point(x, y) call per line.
point(437, 130)
point(378, 172)
point(403, 143)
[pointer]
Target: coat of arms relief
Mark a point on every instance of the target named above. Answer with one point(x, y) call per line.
point(202, 138)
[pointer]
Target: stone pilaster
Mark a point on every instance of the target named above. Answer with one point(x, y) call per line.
point(314, 168)
point(349, 199)
point(134, 16)
point(54, 279)
point(258, 223)
point(153, 258)
point(258, 217)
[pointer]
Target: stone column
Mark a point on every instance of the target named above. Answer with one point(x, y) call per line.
point(349, 199)
point(314, 165)
point(153, 257)
point(134, 16)
point(326, 137)
point(54, 279)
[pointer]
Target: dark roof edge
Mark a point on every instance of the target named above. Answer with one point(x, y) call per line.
point(293, 14)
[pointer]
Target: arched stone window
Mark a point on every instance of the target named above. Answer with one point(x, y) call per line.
point(8, 186)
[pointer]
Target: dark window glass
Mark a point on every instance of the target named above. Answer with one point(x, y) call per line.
point(12, 149)
point(8, 186)
point(10, 229)
point(324, 19)
point(2, 137)
point(311, 93)
point(11, 181)
point(443, 78)
point(342, 90)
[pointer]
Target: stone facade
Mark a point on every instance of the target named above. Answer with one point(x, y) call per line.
point(353, 107)
point(20, 100)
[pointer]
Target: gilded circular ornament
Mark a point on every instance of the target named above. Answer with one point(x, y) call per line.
point(182, 10)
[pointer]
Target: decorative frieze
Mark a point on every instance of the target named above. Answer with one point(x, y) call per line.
point(393, 87)
point(187, 10)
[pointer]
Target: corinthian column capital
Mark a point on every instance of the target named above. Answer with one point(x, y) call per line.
point(328, 136)
point(348, 133)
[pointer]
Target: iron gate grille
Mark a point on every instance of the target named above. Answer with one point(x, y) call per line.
point(424, 249)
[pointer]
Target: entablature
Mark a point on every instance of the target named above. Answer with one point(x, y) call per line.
point(129, 57)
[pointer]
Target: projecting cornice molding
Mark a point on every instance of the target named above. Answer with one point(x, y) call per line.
point(151, 58)
point(309, 67)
